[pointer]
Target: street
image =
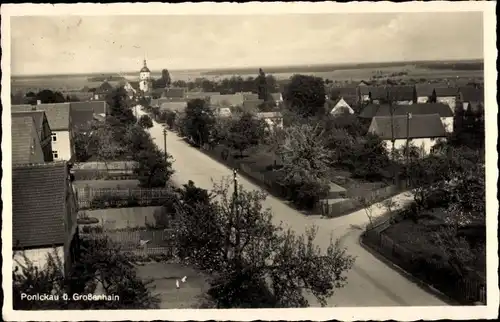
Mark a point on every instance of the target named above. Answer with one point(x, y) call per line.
point(370, 282)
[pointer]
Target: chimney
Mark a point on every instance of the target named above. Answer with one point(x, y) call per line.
point(38, 102)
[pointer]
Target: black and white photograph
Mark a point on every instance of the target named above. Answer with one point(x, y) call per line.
point(316, 160)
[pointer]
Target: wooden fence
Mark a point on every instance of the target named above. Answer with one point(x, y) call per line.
point(117, 170)
point(466, 290)
point(122, 197)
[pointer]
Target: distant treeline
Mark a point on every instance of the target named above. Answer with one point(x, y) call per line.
point(103, 78)
point(454, 65)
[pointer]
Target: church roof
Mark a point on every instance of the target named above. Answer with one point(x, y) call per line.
point(145, 69)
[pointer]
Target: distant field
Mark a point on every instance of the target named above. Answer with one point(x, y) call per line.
point(416, 70)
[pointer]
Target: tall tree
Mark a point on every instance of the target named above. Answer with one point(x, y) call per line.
point(252, 262)
point(245, 131)
point(164, 81)
point(262, 86)
point(48, 96)
point(198, 121)
point(145, 122)
point(305, 95)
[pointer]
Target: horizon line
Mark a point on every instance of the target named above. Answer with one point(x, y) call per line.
point(262, 66)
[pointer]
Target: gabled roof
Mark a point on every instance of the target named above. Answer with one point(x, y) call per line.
point(344, 91)
point(370, 110)
point(39, 204)
point(250, 96)
point(178, 107)
point(175, 92)
point(58, 114)
point(376, 92)
point(23, 131)
point(339, 105)
point(83, 112)
point(446, 91)
point(424, 90)
point(471, 94)
point(104, 88)
point(401, 92)
point(421, 126)
point(227, 99)
point(38, 118)
point(375, 110)
point(200, 95)
point(252, 105)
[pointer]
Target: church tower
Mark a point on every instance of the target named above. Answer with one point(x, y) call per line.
point(145, 79)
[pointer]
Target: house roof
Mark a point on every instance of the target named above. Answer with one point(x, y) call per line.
point(173, 106)
point(250, 96)
point(252, 105)
point(200, 95)
point(175, 92)
point(375, 110)
point(471, 94)
point(38, 118)
point(227, 99)
point(39, 204)
point(269, 115)
point(424, 90)
point(344, 91)
point(377, 92)
point(83, 112)
point(337, 106)
point(105, 87)
point(446, 91)
point(58, 114)
point(421, 126)
point(441, 90)
point(23, 129)
point(401, 92)
point(81, 95)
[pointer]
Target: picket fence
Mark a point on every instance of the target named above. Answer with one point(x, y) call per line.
point(143, 196)
point(466, 290)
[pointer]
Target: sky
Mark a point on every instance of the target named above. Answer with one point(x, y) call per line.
point(87, 44)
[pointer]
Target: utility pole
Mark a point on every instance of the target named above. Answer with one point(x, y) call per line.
point(165, 142)
point(236, 213)
point(408, 118)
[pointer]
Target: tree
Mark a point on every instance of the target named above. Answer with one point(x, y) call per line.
point(199, 121)
point(87, 140)
point(253, 263)
point(305, 95)
point(164, 81)
point(120, 110)
point(100, 261)
point(145, 122)
point(305, 163)
point(48, 96)
point(263, 89)
point(152, 169)
point(245, 131)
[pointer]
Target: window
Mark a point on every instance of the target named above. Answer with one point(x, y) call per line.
point(55, 155)
point(54, 137)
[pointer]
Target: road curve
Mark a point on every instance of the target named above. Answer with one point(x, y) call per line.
point(370, 282)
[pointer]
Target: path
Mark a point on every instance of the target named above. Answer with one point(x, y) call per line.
point(370, 281)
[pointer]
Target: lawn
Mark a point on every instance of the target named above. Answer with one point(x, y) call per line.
point(164, 276)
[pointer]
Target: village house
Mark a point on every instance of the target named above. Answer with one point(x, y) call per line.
point(278, 98)
point(178, 93)
point(82, 113)
point(372, 94)
point(252, 106)
point(341, 107)
point(59, 119)
point(435, 93)
point(402, 94)
point(21, 145)
point(371, 111)
point(470, 97)
point(422, 131)
point(200, 95)
point(102, 91)
point(44, 214)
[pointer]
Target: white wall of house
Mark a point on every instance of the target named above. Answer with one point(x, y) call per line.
point(447, 123)
point(37, 256)
point(61, 146)
point(422, 99)
point(340, 107)
point(404, 102)
point(425, 144)
point(451, 101)
point(365, 98)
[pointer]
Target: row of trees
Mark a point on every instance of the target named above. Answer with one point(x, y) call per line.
point(44, 96)
point(123, 137)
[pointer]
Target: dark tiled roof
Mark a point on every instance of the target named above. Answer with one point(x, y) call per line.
point(38, 118)
point(424, 90)
point(175, 92)
point(58, 114)
point(173, 106)
point(376, 92)
point(104, 88)
point(443, 91)
point(426, 108)
point(252, 105)
point(39, 204)
point(421, 126)
point(371, 110)
point(401, 92)
point(227, 99)
point(472, 94)
point(344, 91)
point(83, 112)
point(23, 130)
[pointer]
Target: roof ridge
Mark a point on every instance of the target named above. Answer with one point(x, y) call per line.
point(40, 165)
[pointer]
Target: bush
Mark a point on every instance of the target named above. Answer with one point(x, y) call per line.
point(92, 229)
point(308, 194)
